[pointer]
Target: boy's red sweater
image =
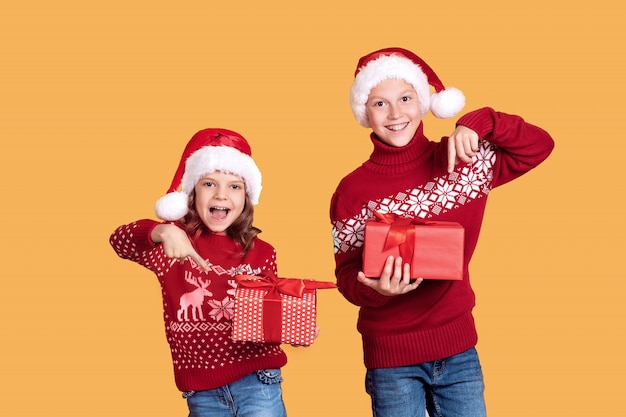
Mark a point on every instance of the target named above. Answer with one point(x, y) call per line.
point(435, 320)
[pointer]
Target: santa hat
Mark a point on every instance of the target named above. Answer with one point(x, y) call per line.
point(208, 151)
point(401, 64)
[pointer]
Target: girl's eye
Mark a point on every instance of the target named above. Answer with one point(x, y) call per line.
point(379, 103)
point(406, 98)
point(208, 184)
point(237, 186)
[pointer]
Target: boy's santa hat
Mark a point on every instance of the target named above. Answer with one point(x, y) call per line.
point(209, 150)
point(401, 64)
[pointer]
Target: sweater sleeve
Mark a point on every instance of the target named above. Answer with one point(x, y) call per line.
point(132, 241)
point(349, 263)
point(520, 146)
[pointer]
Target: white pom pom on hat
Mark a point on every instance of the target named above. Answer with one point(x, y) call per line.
point(402, 64)
point(209, 150)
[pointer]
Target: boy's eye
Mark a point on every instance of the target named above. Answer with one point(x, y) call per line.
point(208, 183)
point(406, 98)
point(237, 186)
point(379, 103)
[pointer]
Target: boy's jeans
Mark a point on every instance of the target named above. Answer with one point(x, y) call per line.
point(451, 387)
point(258, 394)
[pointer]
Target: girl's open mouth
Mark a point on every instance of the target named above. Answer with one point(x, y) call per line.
point(219, 213)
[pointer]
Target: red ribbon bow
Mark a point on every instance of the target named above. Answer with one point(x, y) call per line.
point(401, 233)
point(275, 285)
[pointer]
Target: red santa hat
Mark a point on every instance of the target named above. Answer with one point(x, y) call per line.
point(209, 150)
point(401, 64)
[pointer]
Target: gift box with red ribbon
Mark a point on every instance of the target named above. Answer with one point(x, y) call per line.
point(434, 249)
point(276, 310)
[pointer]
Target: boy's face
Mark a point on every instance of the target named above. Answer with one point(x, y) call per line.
point(393, 110)
point(220, 199)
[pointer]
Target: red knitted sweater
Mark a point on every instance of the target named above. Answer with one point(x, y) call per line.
point(198, 306)
point(435, 320)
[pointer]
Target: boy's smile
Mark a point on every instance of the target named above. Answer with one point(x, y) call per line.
point(393, 110)
point(397, 128)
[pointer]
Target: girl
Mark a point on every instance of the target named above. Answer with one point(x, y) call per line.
point(206, 240)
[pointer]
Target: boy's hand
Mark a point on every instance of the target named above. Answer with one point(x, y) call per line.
point(462, 146)
point(176, 244)
point(394, 280)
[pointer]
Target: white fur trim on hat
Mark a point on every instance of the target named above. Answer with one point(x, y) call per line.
point(208, 159)
point(443, 104)
point(226, 159)
point(381, 69)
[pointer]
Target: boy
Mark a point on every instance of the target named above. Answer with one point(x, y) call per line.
point(419, 335)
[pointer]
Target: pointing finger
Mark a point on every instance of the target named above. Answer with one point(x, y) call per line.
point(198, 259)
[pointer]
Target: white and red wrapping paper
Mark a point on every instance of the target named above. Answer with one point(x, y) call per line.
point(276, 310)
point(434, 249)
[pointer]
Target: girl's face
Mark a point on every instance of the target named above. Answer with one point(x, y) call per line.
point(393, 110)
point(220, 200)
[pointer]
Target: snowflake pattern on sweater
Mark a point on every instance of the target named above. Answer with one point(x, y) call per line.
point(444, 193)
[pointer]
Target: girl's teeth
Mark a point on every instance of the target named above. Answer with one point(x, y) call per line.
point(219, 212)
point(212, 209)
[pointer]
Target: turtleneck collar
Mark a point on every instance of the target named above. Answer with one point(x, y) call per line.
point(386, 158)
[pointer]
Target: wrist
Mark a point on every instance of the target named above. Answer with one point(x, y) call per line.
point(480, 121)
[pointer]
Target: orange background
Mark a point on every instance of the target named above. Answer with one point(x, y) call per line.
point(98, 99)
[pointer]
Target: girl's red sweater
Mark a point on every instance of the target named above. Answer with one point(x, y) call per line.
point(198, 306)
point(435, 320)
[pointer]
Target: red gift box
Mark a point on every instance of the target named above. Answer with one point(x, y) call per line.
point(434, 249)
point(276, 310)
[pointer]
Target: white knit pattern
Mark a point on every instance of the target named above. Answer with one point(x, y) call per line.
point(431, 199)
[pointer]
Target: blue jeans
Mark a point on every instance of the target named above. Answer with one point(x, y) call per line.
point(258, 394)
point(451, 387)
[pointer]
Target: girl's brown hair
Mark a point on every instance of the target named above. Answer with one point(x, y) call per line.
point(241, 231)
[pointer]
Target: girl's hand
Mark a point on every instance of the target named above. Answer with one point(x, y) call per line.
point(462, 146)
point(317, 333)
point(394, 280)
point(176, 243)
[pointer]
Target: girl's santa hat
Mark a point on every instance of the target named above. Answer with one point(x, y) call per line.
point(401, 64)
point(208, 151)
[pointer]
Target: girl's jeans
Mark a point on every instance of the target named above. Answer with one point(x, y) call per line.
point(258, 394)
point(451, 387)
